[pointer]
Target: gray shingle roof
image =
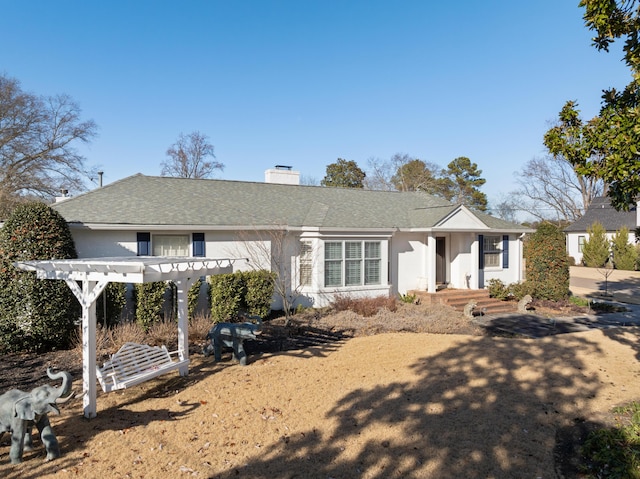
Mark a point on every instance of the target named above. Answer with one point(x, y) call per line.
point(600, 210)
point(165, 201)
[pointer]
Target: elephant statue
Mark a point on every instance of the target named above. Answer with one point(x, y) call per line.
point(232, 335)
point(20, 411)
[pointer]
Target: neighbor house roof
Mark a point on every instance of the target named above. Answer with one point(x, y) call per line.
point(141, 200)
point(601, 211)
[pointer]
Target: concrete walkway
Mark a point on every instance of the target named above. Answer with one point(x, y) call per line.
point(621, 288)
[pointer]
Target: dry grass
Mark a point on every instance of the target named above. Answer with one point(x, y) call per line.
point(346, 316)
point(355, 317)
point(109, 340)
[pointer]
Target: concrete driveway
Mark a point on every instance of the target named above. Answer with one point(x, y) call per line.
point(623, 286)
point(611, 286)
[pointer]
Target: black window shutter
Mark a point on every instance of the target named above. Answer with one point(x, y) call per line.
point(481, 250)
point(144, 244)
point(198, 244)
point(505, 251)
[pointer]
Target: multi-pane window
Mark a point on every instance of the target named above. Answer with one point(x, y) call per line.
point(333, 263)
point(352, 263)
point(492, 250)
point(306, 263)
point(170, 245)
point(372, 259)
point(581, 240)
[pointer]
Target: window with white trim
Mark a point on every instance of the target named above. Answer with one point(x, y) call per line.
point(306, 263)
point(352, 263)
point(492, 247)
point(170, 245)
point(581, 240)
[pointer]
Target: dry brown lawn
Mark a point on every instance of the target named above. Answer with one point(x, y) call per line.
point(371, 398)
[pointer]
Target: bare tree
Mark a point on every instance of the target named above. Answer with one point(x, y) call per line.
point(188, 157)
point(506, 209)
point(38, 136)
point(402, 172)
point(379, 175)
point(278, 250)
point(550, 189)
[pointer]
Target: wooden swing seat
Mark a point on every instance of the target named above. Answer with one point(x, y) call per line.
point(134, 364)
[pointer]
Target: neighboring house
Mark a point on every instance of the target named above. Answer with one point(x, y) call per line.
point(601, 211)
point(325, 241)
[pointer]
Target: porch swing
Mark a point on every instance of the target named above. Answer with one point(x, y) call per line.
point(136, 363)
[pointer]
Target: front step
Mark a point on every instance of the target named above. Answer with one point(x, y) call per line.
point(458, 299)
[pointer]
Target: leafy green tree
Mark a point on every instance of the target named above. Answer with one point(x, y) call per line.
point(571, 142)
point(625, 255)
point(461, 184)
point(618, 134)
point(595, 251)
point(35, 315)
point(547, 263)
point(344, 174)
point(37, 145)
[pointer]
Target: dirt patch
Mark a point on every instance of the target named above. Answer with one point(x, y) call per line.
point(344, 396)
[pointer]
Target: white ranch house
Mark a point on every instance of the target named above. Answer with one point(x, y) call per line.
point(325, 240)
point(601, 211)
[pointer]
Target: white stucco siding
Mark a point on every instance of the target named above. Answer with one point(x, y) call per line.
point(408, 262)
point(511, 274)
point(573, 243)
point(463, 269)
point(101, 244)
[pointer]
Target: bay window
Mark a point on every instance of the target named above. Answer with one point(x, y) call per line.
point(352, 263)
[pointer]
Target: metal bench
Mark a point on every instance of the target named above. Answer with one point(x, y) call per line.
point(134, 364)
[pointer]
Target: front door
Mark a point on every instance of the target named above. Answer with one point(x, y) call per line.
point(441, 260)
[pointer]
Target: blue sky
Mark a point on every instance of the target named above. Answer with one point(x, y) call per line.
point(304, 82)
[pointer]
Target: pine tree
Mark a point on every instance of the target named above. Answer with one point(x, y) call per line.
point(624, 254)
point(595, 251)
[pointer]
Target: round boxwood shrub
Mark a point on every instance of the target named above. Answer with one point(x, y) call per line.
point(35, 315)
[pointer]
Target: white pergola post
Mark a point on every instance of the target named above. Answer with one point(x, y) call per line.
point(87, 297)
point(183, 286)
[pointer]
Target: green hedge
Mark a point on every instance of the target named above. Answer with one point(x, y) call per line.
point(116, 298)
point(547, 263)
point(244, 291)
point(35, 315)
point(149, 300)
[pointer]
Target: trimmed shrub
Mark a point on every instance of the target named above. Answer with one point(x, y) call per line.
point(595, 251)
point(226, 293)
point(547, 263)
point(232, 294)
point(150, 301)
point(625, 255)
point(497, 289)
point(259, 291)
point(520, 290)
point(116, 298)
point(192, 297)
point(35, 315)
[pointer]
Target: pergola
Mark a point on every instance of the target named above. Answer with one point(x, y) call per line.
point(95, 273)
